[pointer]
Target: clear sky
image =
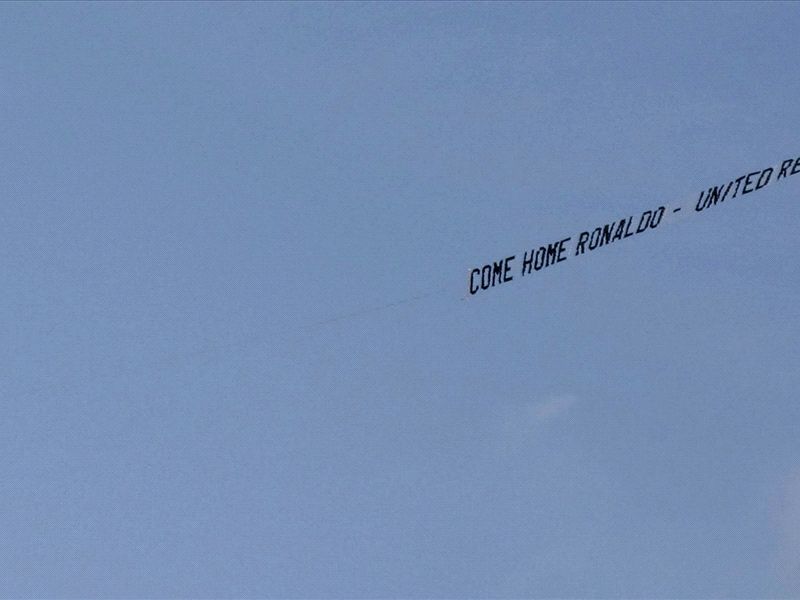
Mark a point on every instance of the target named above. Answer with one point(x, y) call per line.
point(191, 195)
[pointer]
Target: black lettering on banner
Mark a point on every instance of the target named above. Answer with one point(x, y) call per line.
point(714, 194)
point(784, 168)
point(738, 181)
point(628, 227)
point(527, 263)
point(562, 248)
point(546, 255)
point(594, 240)
point(697, 207)
point(541, 256)
point(471, 281)
point(497, 272)
point(579, 247)
point(657, 216)
point(552, 253)
point(748, 182)
point(506, 271)
point(727, 189)
point(491, 275)
point(607, 232)
point(486, 277)
point(620, 230)
point(768, 172)
point(649, 215)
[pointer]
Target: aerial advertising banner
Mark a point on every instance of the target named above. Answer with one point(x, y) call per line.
point(525, 264)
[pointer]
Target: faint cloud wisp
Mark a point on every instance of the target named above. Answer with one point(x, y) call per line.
point(550, 409)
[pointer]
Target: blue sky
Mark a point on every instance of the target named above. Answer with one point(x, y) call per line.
point(193, 194)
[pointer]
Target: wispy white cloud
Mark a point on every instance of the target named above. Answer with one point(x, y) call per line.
point(518, 423)
point(551, 408)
